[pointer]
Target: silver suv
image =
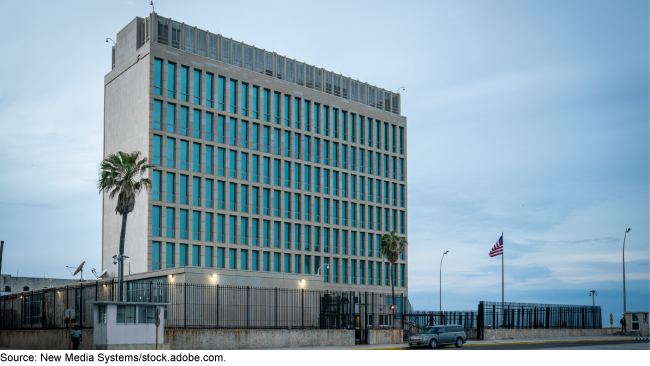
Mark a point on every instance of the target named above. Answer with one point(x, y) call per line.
point(439, 335)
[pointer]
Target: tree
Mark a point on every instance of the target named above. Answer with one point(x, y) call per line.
point(121, 175)
point(391, 247)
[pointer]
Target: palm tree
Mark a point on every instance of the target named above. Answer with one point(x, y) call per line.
point(391, 247)
point(121, 175)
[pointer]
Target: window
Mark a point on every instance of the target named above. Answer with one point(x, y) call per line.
point(157, 76)
point(125, 314)
point(196, 225)
point(220, 257)
point(171, 116)
point(208, 256)
point(196, 255)
point(169, 255)
point(287, 263)
point(157, 149)
point(184, 120)
point(169, 222)
point(157, 115)
point(265, 107)
point(183, 224)
point(196, 157)
point(155, 255)
point(197, 86)
point(171, 80)
point(156, 184)
point(232, 258)
point(209, 94)
point(221, 101)
point(244, 99)
point(196, 191)
point(208, 231)
point(209, 153)
point(243, 259)
point(183, 255)
point(185, 75)
point(265, 261)
point(255, 260)
point(256, 93)
point(233, 96)
point(156, 220)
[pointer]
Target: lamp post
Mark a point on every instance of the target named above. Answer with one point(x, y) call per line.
point(324, 265)
point(443, 257)
point(593, 294)
point(624, 304)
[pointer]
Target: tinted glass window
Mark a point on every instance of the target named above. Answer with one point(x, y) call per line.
point(434, 330)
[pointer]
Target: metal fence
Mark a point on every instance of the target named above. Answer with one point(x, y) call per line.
point(197, 306)
point(414, 321)
point(512, 315)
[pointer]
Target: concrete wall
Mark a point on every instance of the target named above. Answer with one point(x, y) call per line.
point(209, 339)
point(51, 339)
point(34, 283)
point(494, 334)
point(385, 336)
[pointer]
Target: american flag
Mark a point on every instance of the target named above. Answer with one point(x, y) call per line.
point(498, 248)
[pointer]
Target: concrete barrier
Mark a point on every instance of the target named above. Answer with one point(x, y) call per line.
point(384, 336)
point(495, 334)
point(48, 339)
point(209, 339)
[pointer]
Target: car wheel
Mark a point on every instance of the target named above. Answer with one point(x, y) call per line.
point(433, 343)
point(459, 342)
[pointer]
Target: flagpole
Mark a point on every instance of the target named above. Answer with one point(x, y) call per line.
point(502, 255)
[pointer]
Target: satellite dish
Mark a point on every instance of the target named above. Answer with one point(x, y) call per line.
point(80, 269)
point(103, 273)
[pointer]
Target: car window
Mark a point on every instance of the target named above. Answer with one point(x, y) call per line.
point(442, 330)
point(425, 330)
point(433, 330)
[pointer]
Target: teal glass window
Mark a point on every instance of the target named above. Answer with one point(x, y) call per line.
point(265, 261)
point(208, 192)
point(169, 222)
point(185, 75)
point(276, 203)
point(196, 157)
point(221, 161)
point(401, 222)
point(243, 237)
point(362, 265)
point(196, 255)
point(307, 179)
point(287, 111)
point(208, 257)
point(244, 259)
point(401, 169)
point(232, 131)
point(307, 267)
point(401, 140)
point(157, 115)
point(183, 224)
point(316, 240)
point(255, 258)
point(244, 99)
point(157, 149)
point(276, 234)
point(209, 126)
point(233, 96)
point(209, 94)
point(265, 233)
point(344, 156)
point(183, 187)
point(244, 134)
point(197, 86)
point(296, 175)
point(287, 207)
point(296, 211)
point(171, 153)
point(233, 164)
point(265, 201)
point(344, 271)
point(222, 93)
point(184, 120)
point(208, 229)
point(377, 134)
point(326, 270)
point(265, 107)
point(221, 257)
point(220, 226)
point(169, 255)
point(255, 136)
point(369, 130)
point(256, 102)
point(232, 197)
point(276, 262)
point(156, 220)
point(196, 124)
point(184, 154)
point(157, 76)
point(296, 114)
point(221, 128)
point(336, 270)
point(171, 117)
point(171, 80)
point(370, 265)
point(157, 178)
point(326, 127)
point(209, 154)
point(255, 235)
point(353, 128)
point(220, 195)
point(196, 225)
point(244, 166)
point(232, 258)
point(335, 123)
point(296, 262)
point(267, 138)
point(155, 256)
point(377, 244)
point(183, 255)
point(362, 244)
point(256, 167)
point(276, 108)
point(287, 263)
point(232, 229)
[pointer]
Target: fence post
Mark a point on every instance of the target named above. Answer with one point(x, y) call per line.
point(217, 306)
point(185, 305)
point(479, 321)
point(247, 306)
point(303, 308)
point(81, 305)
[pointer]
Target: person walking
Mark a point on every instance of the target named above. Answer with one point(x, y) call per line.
point(76, 337)
point(623, 327)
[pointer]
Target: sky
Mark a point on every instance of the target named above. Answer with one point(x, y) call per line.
point(525, 118)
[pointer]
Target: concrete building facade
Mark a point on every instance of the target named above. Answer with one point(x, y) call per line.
point(267, 170)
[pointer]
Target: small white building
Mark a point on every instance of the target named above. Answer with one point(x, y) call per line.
point(128, 325)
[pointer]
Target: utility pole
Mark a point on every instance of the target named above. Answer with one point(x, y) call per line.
point(2, 247)
point(593, 294)
point(624, 237)
point(443, 257)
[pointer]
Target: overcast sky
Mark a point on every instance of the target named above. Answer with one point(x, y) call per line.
point(527, 118)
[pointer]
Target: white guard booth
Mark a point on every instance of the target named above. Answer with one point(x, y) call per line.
point(128, 325)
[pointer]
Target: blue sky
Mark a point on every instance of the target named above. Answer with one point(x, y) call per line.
point(528, 118)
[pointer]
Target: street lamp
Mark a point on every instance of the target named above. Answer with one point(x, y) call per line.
point(324, 265)
point(593, 294)
point(624, 304)
point(443, 257)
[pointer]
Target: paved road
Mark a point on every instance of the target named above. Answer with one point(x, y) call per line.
point(580, 345)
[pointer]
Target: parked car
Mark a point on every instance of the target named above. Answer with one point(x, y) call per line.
point(439, 335)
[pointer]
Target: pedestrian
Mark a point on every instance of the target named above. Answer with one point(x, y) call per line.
point(623, 327)
point(76, 337)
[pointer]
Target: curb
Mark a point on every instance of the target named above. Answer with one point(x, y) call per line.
point(508, 343)
point(643, 339)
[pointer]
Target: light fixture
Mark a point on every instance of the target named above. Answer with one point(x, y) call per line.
point(171, 276)
point(302, 281)
point(104, 285)
point(214, 275)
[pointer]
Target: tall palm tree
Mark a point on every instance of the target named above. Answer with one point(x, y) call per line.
point(391, 247)
point(121, 175)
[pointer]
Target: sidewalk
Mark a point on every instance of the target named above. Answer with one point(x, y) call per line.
point(469, 343)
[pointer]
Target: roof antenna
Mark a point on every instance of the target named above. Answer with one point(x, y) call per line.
point(154, 8)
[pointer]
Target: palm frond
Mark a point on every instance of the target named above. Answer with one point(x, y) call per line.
point(122, 175)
